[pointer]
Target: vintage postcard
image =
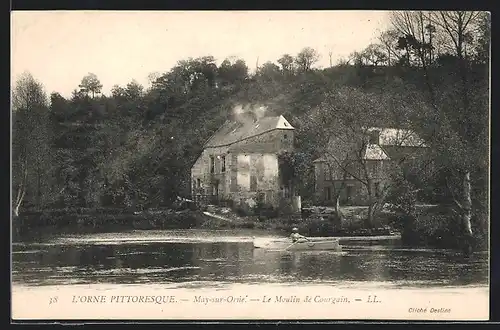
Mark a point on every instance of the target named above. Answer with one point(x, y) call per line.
point(250, 165)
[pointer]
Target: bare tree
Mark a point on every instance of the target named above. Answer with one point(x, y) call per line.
point(389, 41)
point(343, 124)
point(453, 135)
point(30, 142)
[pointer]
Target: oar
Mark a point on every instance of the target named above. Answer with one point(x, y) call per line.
point(297, 242)
point(291, 245)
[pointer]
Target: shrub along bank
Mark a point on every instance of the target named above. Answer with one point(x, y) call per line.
point(440, 227)
point(434, 226)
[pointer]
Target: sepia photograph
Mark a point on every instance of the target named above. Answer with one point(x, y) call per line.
point(250, 165)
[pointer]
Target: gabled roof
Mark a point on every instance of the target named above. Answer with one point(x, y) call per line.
point(374, 152)
point(232, 132)
point(371, 152)
point(393, 144)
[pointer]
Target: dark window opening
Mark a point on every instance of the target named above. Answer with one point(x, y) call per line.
point(223, 160)
point(215, 189)
point(212, 164)
point(349, 190)
point(253, 183)
point(377, 189)
point(328, 193)
point(328, 173)
point(285, 137)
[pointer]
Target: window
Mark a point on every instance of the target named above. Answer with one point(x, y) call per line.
point(285, 137)
point(223, 164)
point(212, 164)
point(328, 172)
point(349, 191)
point(376, 187)
point(328, 193)
point(374, 168)
point(215, 189)
point(198, 183)
point(253, 183)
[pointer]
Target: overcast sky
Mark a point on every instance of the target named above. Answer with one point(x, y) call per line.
point(59, 48)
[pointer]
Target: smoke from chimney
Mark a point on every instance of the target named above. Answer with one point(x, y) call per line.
point(249, 113)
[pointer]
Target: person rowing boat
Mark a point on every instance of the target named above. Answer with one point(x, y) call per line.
point(295, 236)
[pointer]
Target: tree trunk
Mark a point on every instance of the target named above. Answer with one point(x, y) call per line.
point(39, 184)
point(369, 218)
point(467, 204)
point(19, 201)
point(21, 191)
point(337, 204)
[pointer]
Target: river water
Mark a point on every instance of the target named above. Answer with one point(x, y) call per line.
point(199, 256)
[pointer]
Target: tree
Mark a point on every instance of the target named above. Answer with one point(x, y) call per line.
point(232, 72)
point(389, 40)
point(59, 107)
point(344, 123)
point(269, 71)
point(286, 61)
point(373, 55)
point(414, 37)
point(134, 90)
point(90, 84)
point(482, 46)
point(306, 58)
point(30, 143)
point(459, 110)
point(118, 92)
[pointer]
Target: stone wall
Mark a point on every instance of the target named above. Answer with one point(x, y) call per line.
point(251, 169)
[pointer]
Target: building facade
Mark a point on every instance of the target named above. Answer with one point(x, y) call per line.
point(348, 175)
point(239, 163)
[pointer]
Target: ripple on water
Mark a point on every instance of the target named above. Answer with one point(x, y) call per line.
point(142, 270)
point(153, 236)
point(127, 260)
point(29, 251)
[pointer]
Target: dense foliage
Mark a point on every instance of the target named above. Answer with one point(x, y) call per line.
point(135, 147)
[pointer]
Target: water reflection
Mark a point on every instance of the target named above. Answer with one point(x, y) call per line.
point(240, 262)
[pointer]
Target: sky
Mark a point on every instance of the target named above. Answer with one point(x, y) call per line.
point(60, 47)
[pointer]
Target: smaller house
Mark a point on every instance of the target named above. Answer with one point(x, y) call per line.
point(240, 162)
point(347, 170)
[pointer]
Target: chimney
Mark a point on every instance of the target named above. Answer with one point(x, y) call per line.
point(375, 137)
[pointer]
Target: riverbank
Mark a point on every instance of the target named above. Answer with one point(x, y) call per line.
point(210, 218)
point(434, 226)
point(220, 300)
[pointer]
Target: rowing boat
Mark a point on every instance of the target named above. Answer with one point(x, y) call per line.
point(312, 244)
